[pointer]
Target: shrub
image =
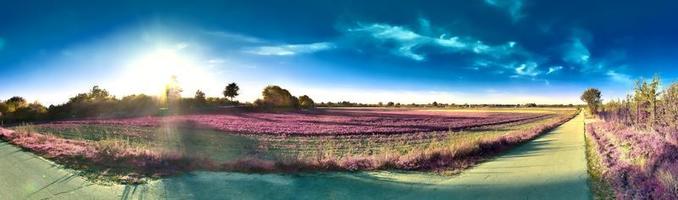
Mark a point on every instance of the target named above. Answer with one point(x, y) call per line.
point(275, 96)
point(306, 102)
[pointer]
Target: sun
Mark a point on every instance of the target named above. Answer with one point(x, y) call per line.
point(149, 73)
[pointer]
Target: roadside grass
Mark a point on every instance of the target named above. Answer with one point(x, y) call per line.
point(600, 188)
point(130, 154)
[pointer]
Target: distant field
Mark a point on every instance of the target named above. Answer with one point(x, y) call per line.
point(333, 121)
point(325, 139)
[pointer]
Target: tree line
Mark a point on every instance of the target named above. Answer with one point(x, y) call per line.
point(98, 102)
point(648, 107)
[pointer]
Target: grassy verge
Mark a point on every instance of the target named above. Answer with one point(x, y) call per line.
point(600, 188)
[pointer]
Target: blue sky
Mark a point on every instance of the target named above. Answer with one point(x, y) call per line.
point(491, 51)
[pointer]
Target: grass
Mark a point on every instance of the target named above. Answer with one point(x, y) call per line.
point(600, 188)
point(128, 154)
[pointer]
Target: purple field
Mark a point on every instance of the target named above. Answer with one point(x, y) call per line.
point(640, 165)
point(328, 122)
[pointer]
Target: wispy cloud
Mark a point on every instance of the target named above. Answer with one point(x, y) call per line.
point(408, 42)
point(225, 35)
point(290, 49)
point(576, 52)
point(513, 7)
point(619, 77)
point(528, 69)
point(554, 69)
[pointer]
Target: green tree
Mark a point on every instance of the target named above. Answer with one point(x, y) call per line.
point(306, 102)
point(3, 108)
point(15, 103)
point(645, 100)
point(276, 96)
point(592, 97)
point(200, 98)
point(231, 91)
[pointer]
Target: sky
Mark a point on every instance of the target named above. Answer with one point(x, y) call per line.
point(471, 51)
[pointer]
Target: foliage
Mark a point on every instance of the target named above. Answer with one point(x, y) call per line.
point(200, 98)
point(231, 91)
point(592, 98)
point(4, 109)
point(15, 103)
point(306, 102)
point(647, 109)
point(275, 96)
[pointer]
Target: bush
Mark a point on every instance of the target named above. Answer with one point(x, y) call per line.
point(306, 102)
point(275, 96)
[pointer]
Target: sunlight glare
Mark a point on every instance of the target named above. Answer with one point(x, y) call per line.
point(151, 72)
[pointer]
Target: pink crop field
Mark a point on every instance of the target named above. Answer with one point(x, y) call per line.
point(327, 122)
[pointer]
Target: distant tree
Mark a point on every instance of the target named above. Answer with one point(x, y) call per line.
point(173, 90)
point(200, 98)
point(397, 105)
point(278, 97)
point(435, 104)
point(231, 91)
point(390, 104)
point(3, 108)
point(15, 103)
point(140, 104)
point(380, 104)
point(592, 97)
point(306, 102)
point(669, 107)
point(645, 99)
point(31, 112)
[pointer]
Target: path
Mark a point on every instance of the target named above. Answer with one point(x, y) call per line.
point(550, 167)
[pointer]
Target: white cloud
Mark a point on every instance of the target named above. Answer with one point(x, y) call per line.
point(290, 49)
point(408, 41)
point(576, 52)
point(233, 36)
point(619, 77)
point(554, 69)
point(528, 69)
point(513, 7)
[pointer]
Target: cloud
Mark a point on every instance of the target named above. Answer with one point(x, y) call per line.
point(528, 69)
point(554, 69)
point(224, 35)
point(513, 7)
point(619, 77)
point(290, 49)
point(576, 52)
point(407, 43)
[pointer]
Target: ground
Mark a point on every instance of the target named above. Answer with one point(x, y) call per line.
point(550, 167)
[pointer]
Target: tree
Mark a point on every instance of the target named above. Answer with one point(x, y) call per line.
point(3, 108)
point(173, 90)
point(231, 91)
point(200, 98)
point(435, 104)
point(645, 100)
point(390, 104)
point(15, 103)
point(592, 98)
point(276, 96)
point(306, 102)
